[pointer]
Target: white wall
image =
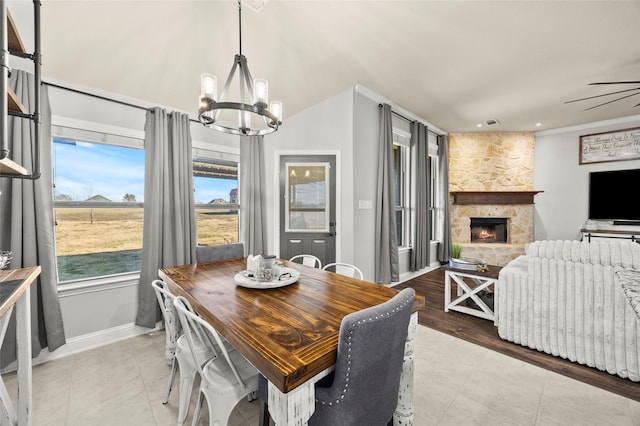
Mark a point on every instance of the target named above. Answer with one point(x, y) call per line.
point(562, 209)
point(366, 135)
point(325, 128)
point(365, 168)
point(345, 125)
point(366, 151)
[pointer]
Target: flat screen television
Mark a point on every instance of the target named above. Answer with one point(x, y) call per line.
point(610, 197)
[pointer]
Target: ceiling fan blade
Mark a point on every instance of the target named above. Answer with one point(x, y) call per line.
point(606, 94)
point(615, 82)
point(617, 99)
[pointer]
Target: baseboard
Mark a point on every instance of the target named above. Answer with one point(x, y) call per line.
point(406, 276)
point(89, 341)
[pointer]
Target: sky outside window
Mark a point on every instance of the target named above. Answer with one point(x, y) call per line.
point(83, 170)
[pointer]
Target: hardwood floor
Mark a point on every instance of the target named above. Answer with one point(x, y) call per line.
point(482, 332)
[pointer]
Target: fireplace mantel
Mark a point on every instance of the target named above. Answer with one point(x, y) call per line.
point(493, 197)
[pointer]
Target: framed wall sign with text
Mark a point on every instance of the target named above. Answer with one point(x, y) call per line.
point(610, 146)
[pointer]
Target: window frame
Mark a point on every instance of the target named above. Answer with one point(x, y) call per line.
point(402, 139)
point(97, 133)
point(434, 197)
point(199, 154)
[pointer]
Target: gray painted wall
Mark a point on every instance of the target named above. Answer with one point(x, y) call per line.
point(325, 128)
point(562, 209)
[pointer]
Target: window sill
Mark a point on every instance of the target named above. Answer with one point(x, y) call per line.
point(90, 285)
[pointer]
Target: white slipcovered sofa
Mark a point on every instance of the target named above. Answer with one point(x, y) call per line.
point(565, 298)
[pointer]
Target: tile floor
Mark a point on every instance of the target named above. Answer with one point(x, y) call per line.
point(456, 383)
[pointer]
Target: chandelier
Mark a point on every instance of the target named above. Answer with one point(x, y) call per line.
point(252, 114)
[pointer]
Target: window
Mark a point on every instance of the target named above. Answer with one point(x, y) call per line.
point(98, 195)
point(434, 198)
point(401, 158)
point(402, 166)
point(215, 183)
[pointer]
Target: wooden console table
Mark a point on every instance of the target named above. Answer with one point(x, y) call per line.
point(14, 291)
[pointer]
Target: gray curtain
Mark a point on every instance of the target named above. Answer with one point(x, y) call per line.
point(387, 268)
point(444, 249)
point(169, 233)
point(422, 233)
point(27, 223)
point(253, 232)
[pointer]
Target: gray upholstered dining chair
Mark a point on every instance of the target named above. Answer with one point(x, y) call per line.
point(363, 389)
point(307, 260)
point(219, 252)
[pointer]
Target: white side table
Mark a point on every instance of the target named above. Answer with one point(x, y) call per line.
point(469, 290)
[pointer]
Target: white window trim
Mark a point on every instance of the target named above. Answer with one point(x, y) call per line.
point(70, 128)
point(403, 139)
point(66, 128)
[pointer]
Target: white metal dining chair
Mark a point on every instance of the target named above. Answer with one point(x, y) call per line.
point(224, 379)
point(307, 260)
point(344, 269)
point(182, 359)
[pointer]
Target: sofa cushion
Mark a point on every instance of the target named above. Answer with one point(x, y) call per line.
point(625, 254)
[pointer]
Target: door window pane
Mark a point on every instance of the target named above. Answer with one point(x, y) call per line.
point(307, 197)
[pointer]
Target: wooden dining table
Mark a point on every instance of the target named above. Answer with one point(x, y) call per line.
point(289, 333)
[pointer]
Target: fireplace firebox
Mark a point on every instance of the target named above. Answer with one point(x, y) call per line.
point(488, 229)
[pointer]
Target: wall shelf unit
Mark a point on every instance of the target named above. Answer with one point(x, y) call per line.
point(10, 167)
point(15, 44)
point(12, 44)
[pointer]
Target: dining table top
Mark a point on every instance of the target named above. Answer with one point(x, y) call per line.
point(289, 333)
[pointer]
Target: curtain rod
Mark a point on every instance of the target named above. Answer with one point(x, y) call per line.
point(104, 98)
point(411, 121)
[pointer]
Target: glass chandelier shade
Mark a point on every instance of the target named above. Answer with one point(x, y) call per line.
point(252, 107)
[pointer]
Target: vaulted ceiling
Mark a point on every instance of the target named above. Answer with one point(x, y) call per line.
point(453, 63)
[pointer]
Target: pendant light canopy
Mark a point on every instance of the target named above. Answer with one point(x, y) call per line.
point(253, 114)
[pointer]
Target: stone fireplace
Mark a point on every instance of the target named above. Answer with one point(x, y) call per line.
point(518, 229)
point(491, 177)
